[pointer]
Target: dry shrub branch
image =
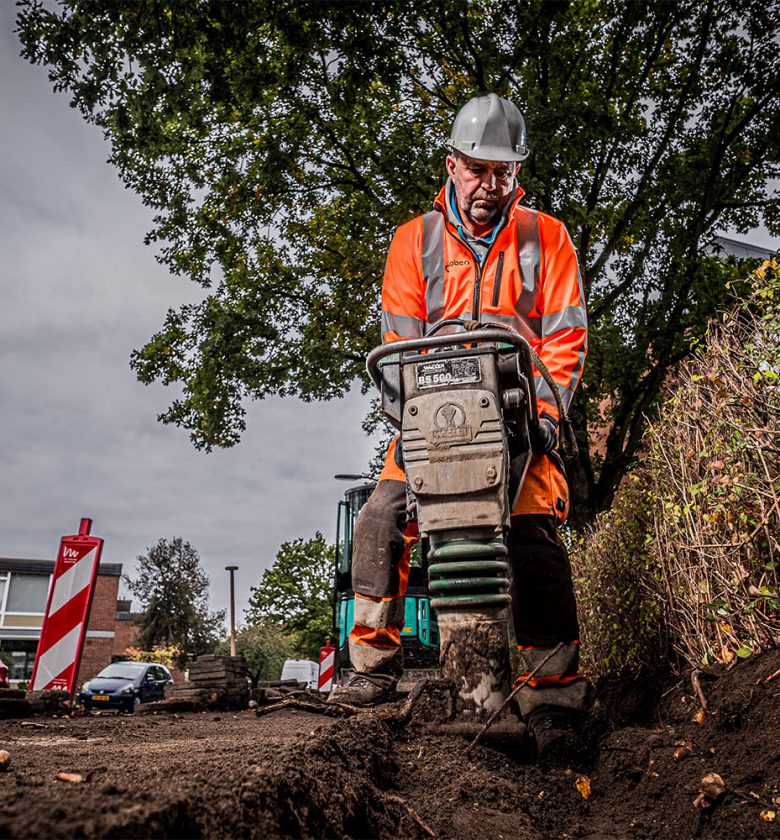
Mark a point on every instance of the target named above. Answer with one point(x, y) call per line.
point(685, 565)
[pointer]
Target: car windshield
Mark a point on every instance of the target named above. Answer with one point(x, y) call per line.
point(123, 671)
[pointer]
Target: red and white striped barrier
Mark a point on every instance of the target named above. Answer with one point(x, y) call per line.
point(67, 611)
point(327, 667)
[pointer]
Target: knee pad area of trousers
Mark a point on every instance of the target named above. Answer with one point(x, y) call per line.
point(379, 541)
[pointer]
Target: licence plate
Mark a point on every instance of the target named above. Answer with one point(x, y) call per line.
point(440, 372)
point(100, 697)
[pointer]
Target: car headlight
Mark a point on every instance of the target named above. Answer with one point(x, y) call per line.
point(85, 687)
point(128, 689)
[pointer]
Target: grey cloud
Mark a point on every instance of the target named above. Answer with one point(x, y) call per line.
point(80, 438)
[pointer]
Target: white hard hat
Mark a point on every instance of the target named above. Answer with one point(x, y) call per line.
point(490, 128)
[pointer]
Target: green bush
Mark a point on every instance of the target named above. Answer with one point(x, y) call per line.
point(621, 627)
point(684, 567)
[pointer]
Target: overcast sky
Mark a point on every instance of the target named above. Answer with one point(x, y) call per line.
point(79, 433)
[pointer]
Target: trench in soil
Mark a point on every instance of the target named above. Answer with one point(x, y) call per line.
point(363, 777)
point(299, 775)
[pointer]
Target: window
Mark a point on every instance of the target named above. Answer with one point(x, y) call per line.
point(123, 670)
point(27, 593)
point(344, 539)
point(21, 653)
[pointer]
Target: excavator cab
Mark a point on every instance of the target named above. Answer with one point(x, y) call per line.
point(420, 633)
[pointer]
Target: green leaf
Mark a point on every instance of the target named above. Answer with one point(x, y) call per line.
point(296, 594)
point(173, 592)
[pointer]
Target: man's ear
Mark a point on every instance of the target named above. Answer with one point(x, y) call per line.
point(450, 162)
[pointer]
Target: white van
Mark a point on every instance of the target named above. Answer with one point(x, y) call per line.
point(302, 670)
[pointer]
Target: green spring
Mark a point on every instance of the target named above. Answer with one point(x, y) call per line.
point(469, 574)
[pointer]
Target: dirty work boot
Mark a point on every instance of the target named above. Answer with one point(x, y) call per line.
point(554, 734)
point(365, 690)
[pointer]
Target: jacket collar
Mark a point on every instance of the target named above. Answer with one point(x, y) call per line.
point(440, 203)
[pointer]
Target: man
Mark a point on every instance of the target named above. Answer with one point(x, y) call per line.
point(481, 255)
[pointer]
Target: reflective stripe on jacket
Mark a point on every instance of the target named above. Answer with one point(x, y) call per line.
point(529, 279)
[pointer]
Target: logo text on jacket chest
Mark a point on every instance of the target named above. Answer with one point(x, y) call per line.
point(452, 263)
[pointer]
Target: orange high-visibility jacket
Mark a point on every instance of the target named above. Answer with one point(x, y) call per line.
point(529, 279)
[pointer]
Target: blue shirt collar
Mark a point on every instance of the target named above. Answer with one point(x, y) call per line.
point(487, 238)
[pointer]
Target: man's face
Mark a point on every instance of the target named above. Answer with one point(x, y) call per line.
point(482, 187)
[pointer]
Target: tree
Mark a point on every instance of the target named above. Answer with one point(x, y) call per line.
point(168, 656)
point(296, 593)
point(173, 591)
point(280, 143)
point(265, 647)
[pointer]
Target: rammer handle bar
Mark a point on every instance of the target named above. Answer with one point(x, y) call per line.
point(479, 336)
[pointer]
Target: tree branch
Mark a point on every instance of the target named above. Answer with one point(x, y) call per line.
point(605, 162)
point(639, 194)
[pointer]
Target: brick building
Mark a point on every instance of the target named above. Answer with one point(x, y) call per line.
point(24, 587)
point(125, 628)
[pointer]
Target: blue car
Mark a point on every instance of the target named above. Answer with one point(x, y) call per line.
point(122, 685)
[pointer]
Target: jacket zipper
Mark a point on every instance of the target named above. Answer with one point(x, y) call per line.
point(497, 281)
point(477, 265)
point(477, 287)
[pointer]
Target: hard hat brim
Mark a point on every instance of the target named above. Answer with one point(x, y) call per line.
point(491, 153)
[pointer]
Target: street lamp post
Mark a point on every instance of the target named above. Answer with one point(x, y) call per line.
point(232, 569)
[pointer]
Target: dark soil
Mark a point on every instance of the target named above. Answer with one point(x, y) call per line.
point(295, 774)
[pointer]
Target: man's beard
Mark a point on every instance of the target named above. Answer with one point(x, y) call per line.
point(484, 210)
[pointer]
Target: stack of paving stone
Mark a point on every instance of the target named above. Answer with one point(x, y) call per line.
point(13, 703)
point(225, 676)
point(49, 702)
point(214, 682)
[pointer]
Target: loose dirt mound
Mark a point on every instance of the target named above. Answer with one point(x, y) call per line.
point(297, 775)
